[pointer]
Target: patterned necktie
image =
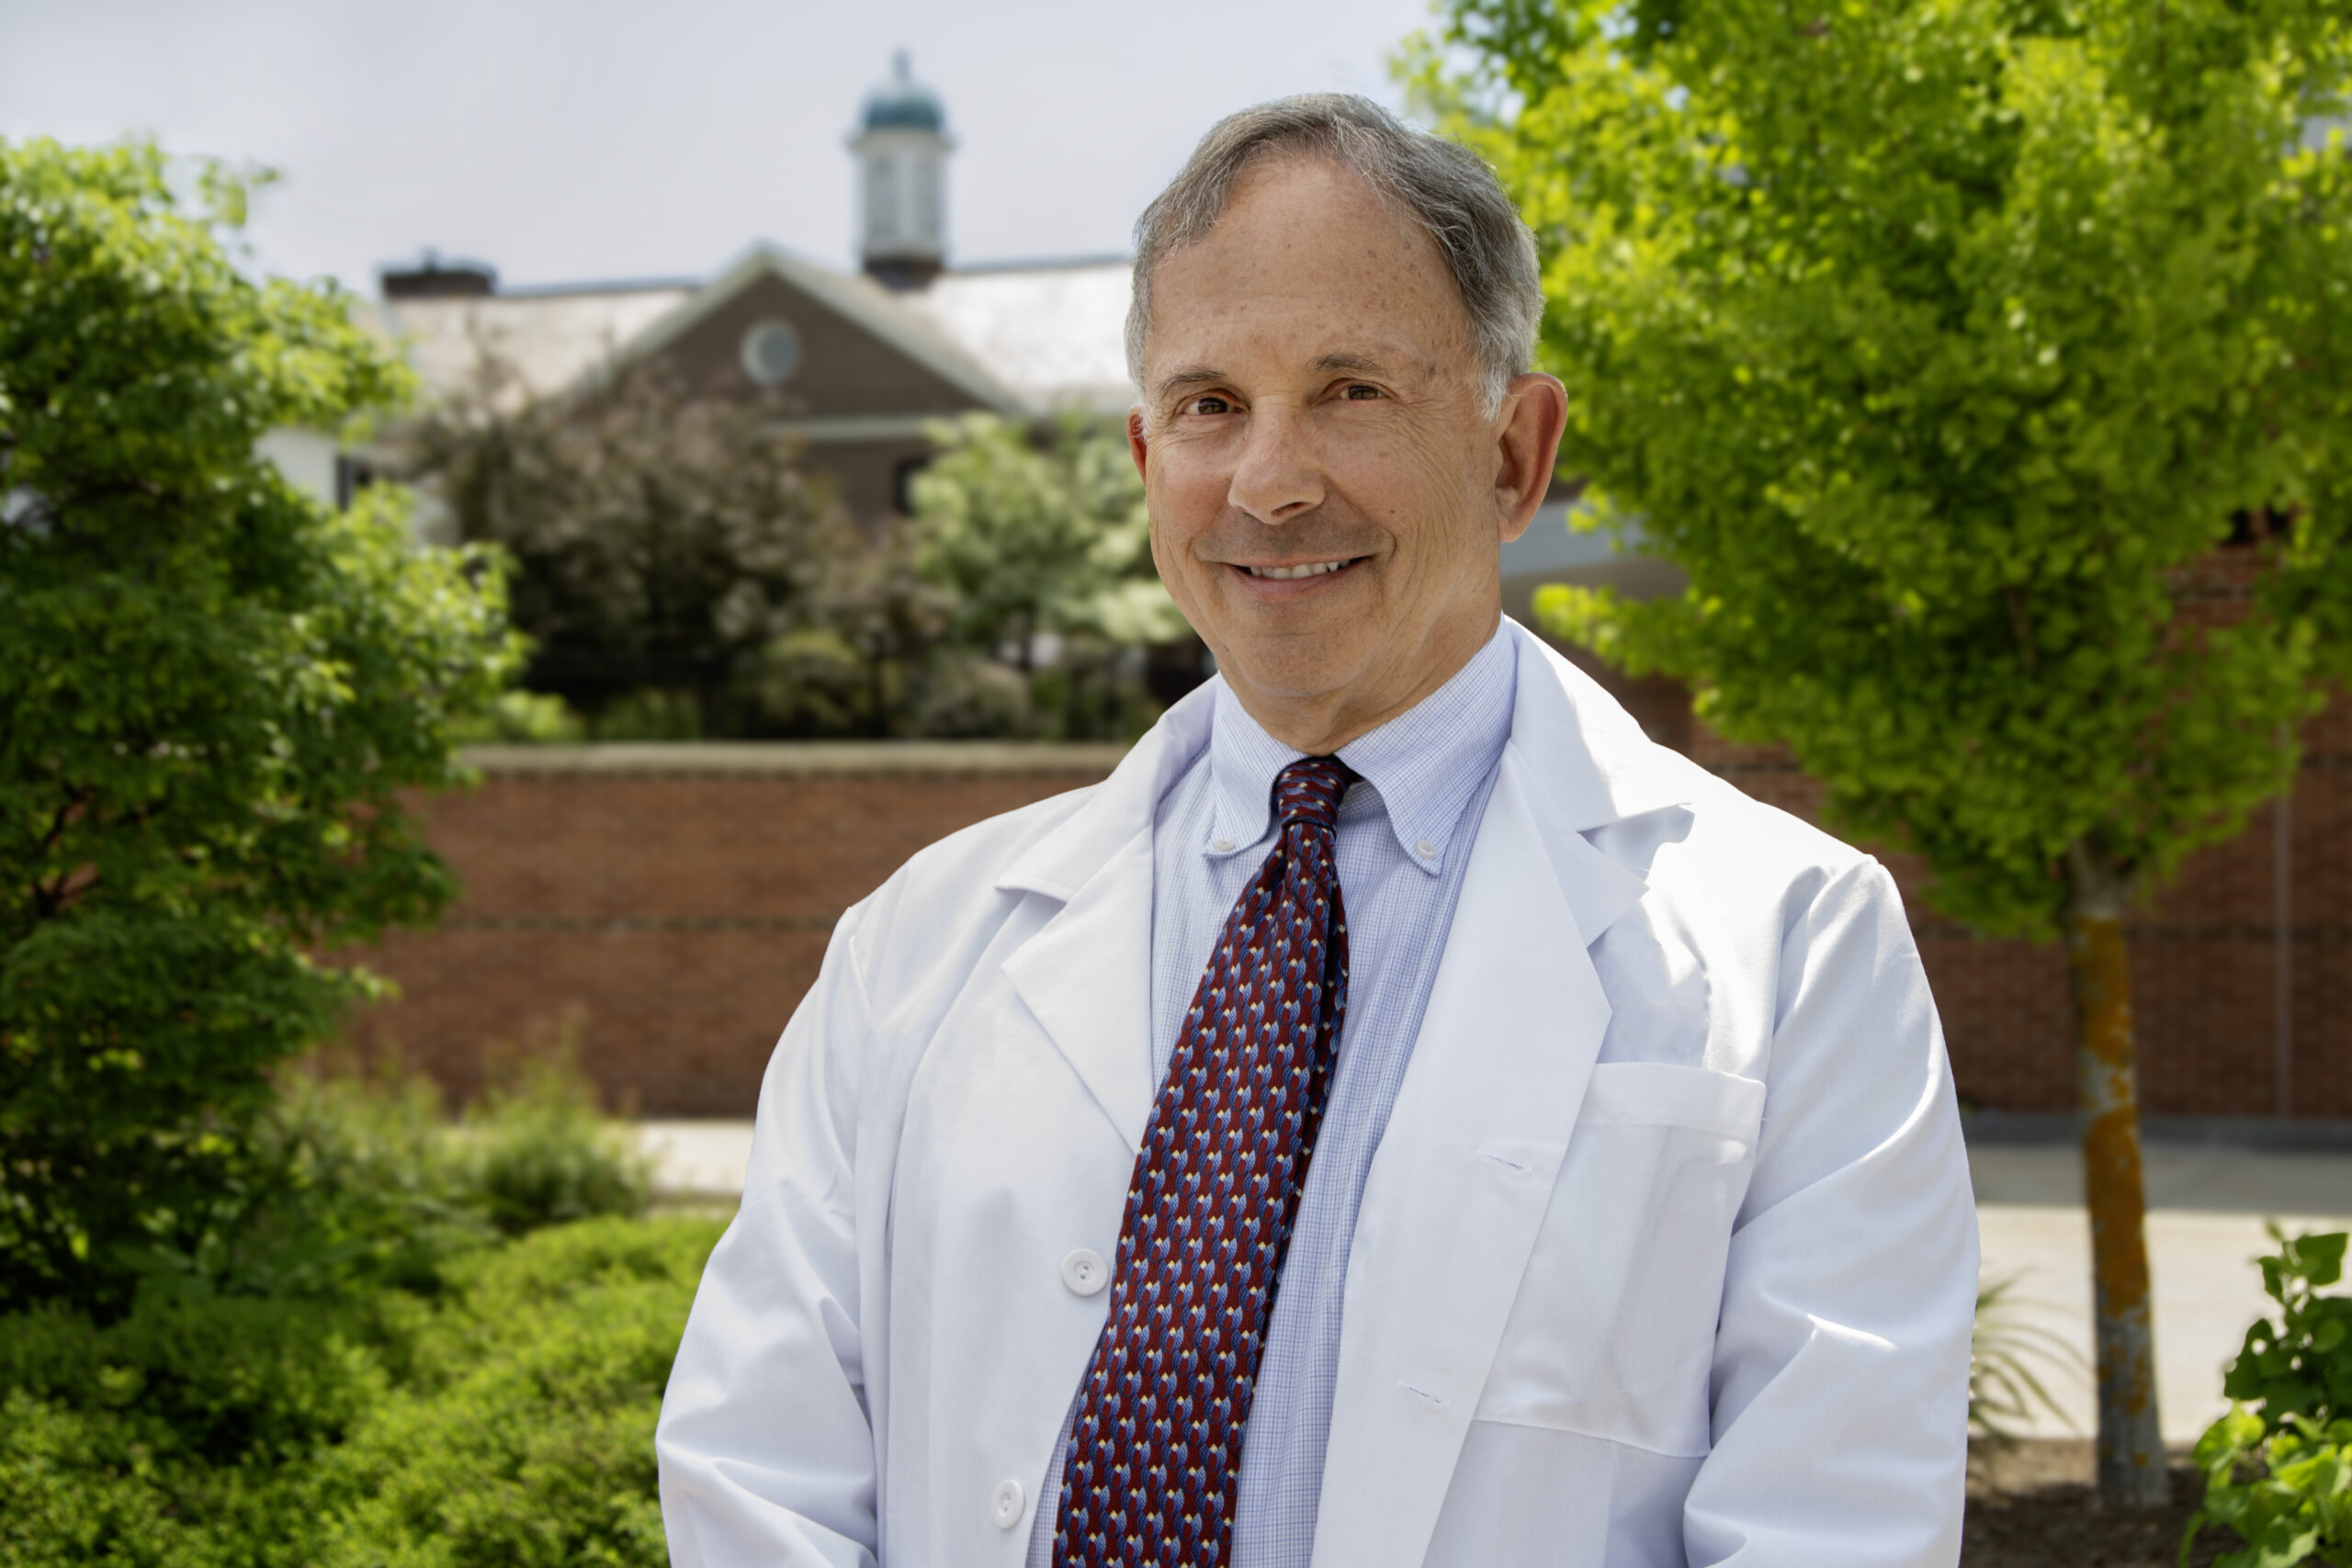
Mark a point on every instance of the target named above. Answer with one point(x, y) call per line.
point(1154, 1452)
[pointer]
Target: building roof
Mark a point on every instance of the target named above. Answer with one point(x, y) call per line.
point(551, 337)
point(1025, 338)
point(1052, 333)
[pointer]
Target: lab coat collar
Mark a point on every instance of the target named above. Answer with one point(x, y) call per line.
point(1578, 762)
point(1583, 751)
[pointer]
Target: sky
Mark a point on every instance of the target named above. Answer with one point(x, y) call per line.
point(567, 140)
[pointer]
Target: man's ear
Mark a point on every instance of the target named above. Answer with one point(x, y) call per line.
point(1527, 437)
point(1138, 446)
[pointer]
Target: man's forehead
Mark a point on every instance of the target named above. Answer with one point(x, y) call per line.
point(1307, 265)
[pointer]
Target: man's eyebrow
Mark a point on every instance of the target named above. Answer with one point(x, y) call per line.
point(1190, 376)
point(1344, 360)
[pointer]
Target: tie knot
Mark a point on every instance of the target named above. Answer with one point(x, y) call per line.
point(1309, 791)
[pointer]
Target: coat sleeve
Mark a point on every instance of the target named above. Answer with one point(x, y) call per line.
point(765, 1446)
point(1840, 1377)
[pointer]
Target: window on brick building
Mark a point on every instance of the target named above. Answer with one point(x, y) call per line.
point(902, 484)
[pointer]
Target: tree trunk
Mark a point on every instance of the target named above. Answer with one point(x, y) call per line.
point(2130, 1444)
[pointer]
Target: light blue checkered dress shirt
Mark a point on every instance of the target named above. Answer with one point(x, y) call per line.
point(1405, 833)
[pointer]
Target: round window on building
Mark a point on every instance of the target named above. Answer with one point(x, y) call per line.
point(771, 352)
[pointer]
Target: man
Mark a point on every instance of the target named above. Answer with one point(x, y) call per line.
point(1402, 1115)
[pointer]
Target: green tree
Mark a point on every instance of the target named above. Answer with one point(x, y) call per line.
point(1940, 342)
point(212, 690)
point(1031, 539)
point(663, 542)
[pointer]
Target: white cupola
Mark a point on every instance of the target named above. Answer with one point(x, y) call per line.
point(901, 146)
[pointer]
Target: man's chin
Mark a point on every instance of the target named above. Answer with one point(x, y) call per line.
point(1293, 668)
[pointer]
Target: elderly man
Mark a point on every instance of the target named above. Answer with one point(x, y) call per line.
point(1402, 1115)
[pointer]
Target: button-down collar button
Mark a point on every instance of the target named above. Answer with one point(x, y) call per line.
point(1085, 1272)
point(1004, 1505)
point(1426, 849)
point(1221, 845)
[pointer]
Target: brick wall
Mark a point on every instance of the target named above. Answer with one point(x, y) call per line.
point(671, 904)
point(668, 905)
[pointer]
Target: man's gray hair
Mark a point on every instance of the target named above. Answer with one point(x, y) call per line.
point(1439, 184)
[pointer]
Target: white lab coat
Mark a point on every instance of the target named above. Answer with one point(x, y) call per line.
point(1667, 1254)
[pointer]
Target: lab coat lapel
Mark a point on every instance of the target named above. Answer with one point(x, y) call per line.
point(1456, 1196)
point(1085, 977)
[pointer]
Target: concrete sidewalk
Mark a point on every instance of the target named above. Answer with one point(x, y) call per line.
point(2206, 1208)
point(2207, 1205)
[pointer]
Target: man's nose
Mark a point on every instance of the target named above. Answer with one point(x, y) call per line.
point(1280, 474)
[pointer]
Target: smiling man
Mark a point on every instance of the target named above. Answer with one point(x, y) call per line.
point(1402, 1116)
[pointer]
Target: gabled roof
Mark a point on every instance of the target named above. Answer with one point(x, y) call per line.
point(551, 337)
point(1053, 332)
point(852, 296)
point(1021, 338)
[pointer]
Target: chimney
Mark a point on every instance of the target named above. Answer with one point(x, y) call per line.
point(433, 278)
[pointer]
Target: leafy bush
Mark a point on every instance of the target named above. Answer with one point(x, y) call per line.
point(510, 1421)
point(528, 1437)
point(2278, 1466)
point(165, 1437)
point(541, 1154)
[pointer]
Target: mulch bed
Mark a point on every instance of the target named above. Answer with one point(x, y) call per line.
point(2030, 1505)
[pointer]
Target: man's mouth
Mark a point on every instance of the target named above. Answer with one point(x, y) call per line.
point(1307, 569)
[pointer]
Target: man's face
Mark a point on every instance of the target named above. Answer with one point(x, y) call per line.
point(1328, 496)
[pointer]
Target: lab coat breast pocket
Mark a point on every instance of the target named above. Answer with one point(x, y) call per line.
point(1612, 1331)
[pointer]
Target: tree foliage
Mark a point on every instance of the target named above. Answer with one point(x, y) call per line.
point(211, 691)
point(661, 541)
point(1030, 538)
point(1045, 543)
point(1939, 343)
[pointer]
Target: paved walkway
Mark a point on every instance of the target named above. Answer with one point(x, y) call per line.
point(2207, 1207)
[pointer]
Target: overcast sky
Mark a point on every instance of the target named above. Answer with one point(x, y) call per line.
point(586, 140)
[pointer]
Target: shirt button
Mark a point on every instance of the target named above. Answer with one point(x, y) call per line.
point(1085, 1272)
point(1004, 1505)
point(1221, 845)
point(1426, 849)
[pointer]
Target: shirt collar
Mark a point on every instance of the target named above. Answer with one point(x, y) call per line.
point(1424, 765)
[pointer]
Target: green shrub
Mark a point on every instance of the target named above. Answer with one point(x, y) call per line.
point(2278, 1468)
point(527, 1438)
point(507, 1421)
point(542, 1153)
point(168, 1436)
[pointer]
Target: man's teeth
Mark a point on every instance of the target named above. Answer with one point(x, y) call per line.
point(1285, 574)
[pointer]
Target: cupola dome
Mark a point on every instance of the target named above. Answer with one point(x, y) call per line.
point(902, 103)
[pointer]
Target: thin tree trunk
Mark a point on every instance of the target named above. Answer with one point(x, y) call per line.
point(2131, 1444)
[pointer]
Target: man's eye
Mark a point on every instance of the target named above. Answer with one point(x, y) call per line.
point(1210, 405)
point(1359, 392)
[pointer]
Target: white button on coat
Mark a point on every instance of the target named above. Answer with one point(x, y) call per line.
point(1004, 1505)
point(1085, 1272)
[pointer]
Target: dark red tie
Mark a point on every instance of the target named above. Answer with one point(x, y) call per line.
point(1155, 1450)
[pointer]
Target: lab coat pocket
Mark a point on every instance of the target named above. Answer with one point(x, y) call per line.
point(1612, 1331)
